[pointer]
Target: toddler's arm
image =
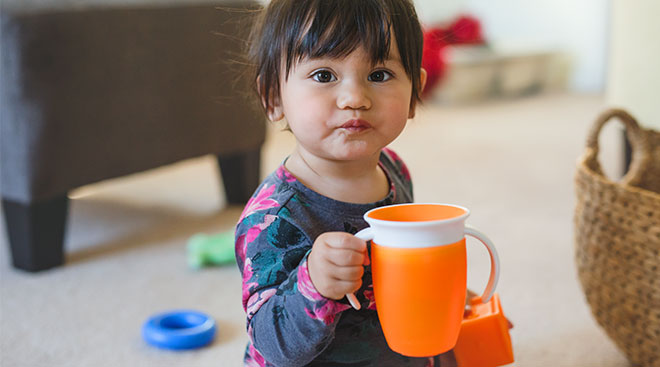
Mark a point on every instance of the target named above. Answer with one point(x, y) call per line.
point(289, 321)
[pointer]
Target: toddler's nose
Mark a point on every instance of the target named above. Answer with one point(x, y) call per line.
point(355, 96)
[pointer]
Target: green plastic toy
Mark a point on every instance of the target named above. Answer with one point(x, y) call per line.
point(207, 250)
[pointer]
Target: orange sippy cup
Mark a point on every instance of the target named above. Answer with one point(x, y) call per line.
point(419, 272)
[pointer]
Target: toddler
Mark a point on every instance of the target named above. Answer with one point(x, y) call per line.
point(346, 75)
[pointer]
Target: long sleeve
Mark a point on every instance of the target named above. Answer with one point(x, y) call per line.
point(289, 323)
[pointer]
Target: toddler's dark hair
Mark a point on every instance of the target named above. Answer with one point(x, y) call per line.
point(291, 30)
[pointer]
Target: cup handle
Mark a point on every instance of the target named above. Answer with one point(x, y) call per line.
point(366, 234)
point(494, 262)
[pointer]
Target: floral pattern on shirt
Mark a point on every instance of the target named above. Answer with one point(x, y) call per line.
point(288, 321)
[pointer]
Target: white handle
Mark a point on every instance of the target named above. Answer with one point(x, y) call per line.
point(366, 234)
point(494, 262)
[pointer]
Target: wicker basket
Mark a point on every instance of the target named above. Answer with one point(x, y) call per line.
point(617, 238)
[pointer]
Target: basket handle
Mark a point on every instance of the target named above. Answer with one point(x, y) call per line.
point(638, 142)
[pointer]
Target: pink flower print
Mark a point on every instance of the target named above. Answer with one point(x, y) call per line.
point(247, 285)
point(255, 359)
point(261, 201)
point(395, 157)
point(369, 294)
point(327, 311)
point(284, 174)
point(305, 285)
point(324, 309)
point(242, 243)
point(244, 240)
point(257, 300)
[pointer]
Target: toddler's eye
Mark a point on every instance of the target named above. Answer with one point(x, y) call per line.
point(379, 76)
point(323, 76)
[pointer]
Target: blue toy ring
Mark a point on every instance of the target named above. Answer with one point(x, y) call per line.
point(177, 330)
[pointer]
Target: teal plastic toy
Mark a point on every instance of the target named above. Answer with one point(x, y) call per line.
point(208, 250)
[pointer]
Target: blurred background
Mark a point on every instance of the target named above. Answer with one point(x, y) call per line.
point(580, 32)
point(91, 88)
point(595, 46)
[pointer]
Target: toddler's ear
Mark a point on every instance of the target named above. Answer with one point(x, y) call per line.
point(273, 107)
point(274, 110)
point(422, 84)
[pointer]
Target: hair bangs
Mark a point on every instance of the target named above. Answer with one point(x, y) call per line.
point(333, 31)
point(289, 31)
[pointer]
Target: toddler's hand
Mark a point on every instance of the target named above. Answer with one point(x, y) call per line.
point(336, 264)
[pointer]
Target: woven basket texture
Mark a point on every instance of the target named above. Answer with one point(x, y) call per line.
point(617, 241)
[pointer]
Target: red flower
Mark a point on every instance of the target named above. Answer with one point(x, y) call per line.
point(465, 29)
point(433, 62)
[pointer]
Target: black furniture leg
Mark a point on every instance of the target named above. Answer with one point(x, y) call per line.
point(36, 232)
point(240, 175)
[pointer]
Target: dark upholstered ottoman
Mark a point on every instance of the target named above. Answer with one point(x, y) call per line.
point(96, 89)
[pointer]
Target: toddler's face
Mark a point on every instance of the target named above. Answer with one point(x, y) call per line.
point(345, 108)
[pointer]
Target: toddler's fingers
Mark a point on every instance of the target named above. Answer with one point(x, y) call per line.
point(348, 273)
point(342, 287)
point(343, 240)
point(343, 257)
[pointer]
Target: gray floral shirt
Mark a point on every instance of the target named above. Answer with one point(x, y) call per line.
point(289, 323)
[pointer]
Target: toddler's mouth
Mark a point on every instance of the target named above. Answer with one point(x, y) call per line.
point(356, 125)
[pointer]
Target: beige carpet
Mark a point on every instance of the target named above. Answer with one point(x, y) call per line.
point(510, 161)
